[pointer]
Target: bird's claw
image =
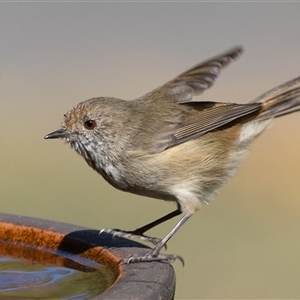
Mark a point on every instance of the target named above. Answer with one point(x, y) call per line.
point(151, 257)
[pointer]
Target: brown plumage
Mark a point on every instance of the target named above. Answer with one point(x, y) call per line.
point(169, 145)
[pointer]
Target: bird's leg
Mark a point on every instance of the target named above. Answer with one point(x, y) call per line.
point(139, 232)
point(154, 254)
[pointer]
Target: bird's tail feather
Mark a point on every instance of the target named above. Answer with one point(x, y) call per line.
point(281, 100)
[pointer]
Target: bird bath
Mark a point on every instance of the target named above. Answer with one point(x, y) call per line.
point(42, 259)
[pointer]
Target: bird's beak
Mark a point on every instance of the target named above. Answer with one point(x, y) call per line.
point(60, 133)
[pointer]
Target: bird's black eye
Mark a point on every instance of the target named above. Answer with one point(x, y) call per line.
point(90, 124)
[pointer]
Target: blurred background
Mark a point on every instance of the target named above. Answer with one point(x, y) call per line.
point(246, 243)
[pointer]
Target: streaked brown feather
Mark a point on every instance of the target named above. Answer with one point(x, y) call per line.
point(210, 119)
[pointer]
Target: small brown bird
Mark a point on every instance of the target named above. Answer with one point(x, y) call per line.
point(170, 146)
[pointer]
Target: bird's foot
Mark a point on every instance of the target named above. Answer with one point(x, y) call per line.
point(130, 235)
point(152, 257)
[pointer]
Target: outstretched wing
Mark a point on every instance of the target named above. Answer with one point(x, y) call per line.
point(196, 80)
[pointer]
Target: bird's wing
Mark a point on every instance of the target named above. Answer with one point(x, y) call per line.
point(196, 80)
point(191, 122)
point(207, 117)
point(188, 118)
